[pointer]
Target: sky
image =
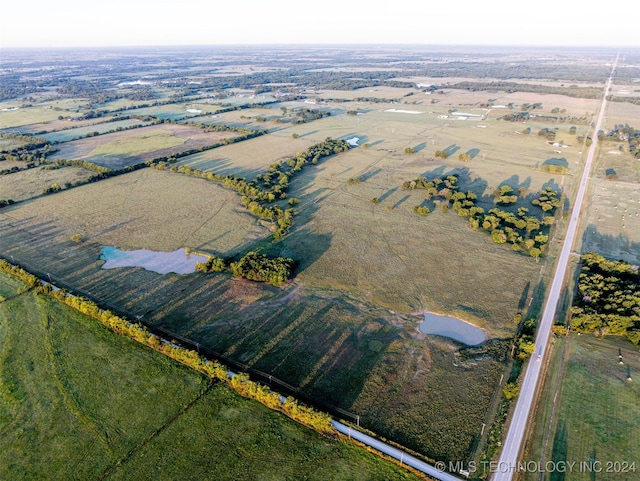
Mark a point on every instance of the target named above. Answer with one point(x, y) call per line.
point(73, 23)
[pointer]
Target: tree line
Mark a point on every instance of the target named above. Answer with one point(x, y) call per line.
point(241, 383)
point(607, 300)
point(261, 195)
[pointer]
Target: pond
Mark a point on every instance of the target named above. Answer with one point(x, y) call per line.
point(453, 328)
point(179, 261)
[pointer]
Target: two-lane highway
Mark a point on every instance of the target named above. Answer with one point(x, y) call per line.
point(507, 466)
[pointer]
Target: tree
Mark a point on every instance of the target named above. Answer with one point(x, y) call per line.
point(510, 390)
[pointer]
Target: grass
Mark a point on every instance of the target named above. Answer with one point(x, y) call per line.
point(346, 329)
point(62, 124)
point(77, 401)
point(597, 410)
point(122, 211)
point(75, 398)
point(199, 445)
point(138, 144)
point(119, 149)
point(70, 134)
point(39, 113)
point(30, 183)
point(173, 111)
point(247, 158)
point(612, 220)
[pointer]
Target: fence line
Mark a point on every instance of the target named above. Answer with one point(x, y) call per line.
point(255, 375)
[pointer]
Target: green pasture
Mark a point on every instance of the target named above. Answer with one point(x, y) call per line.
point(39, 112)
point(31, 183)
point(226, 437)
point(28, 115)
point(177, 111)
point(74, 397)
point(9, 287)
point(78, 401)
point(597, 410)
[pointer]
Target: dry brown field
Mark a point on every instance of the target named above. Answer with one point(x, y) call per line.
point(31, 183)
point(612, 220)
point(249, 157)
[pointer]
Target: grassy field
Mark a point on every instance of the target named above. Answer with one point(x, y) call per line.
point(119, 149)
point(174, 111)
point(59, 125)
point(124, 210)
point(41, 112)
point(247, 158)
point(75, 398)
point(77, 401)
point(81, 131)
point(30, 183)
point(597, 410)
point(346, 329)
point(612, 220)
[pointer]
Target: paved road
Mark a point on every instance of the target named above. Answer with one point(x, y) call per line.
point(395, 453)
point(507, 466)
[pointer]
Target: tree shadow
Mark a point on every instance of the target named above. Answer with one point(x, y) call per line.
point(387, 194)
point(451, 149)
point(370, 175)
point(401, 201)
point(559, 452)
point(473, 153)
point(420, 147)
point(523, 298)
point(618, 247)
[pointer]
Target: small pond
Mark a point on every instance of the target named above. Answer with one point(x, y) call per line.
point(178, 261)
point(453, 328)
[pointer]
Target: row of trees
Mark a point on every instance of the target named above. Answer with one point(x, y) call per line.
point(261, 195)
point(608, 298)
point(213, 369)
point(525, 232)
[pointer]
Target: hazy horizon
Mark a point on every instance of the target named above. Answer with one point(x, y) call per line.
point(69, 24)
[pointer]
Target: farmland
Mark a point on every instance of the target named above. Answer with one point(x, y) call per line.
point(596, 413)
point(119, 149)
point(77, 400)
point(32, 182)
point(344, 330)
